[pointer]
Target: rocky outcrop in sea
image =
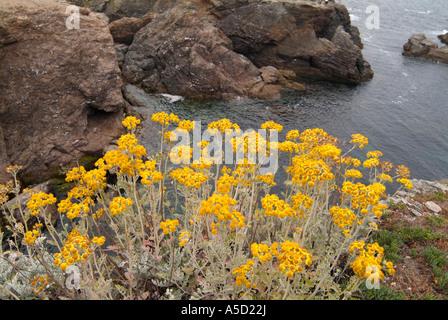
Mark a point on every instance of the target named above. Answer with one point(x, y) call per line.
point(420, 46)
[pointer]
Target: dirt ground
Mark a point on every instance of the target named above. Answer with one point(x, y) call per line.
point(414, 277)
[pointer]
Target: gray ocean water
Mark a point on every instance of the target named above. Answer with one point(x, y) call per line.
point(403, 110)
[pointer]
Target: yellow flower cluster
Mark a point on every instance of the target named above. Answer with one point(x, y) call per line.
point(242, 274)
point(293, 134)
point(222, 125)
point(183, 238)
point(351, 161)
point(39, 200)
point(308, 170)
point(385, 177)
point(131, 122)
point(149, 174)
point(186, 125)
point(363, 195)
point(220, 206)
point(272, 126)
point(299, 201)
point(73, 210)
point(291, 257)
point(214, 226)
point(250, 143)
point(181, 154)
point(88, 183)
point(406, 182)
point(263, 251)
point(77, 247)
point(99, 240)
point(276, 207)
point(225, 183)
point(189, 177)
point(164, 118)
point(374, 154)
point(288, 146)
point(119, 204)
point(95, 179)
point(267, 178)
point(325, 151)
point(75, 174)
point(129, 143)
point(359, 140)
point(313, 137)
point(403, 171)
point(370, 255)
point(39, 284)
point(353, 173)
point(371, 163)
point(343, 217)
point(31, 236)
point(169, 225)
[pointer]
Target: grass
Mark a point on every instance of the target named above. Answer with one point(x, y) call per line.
point(418, 247)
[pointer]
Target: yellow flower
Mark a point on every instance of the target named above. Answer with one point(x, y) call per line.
point(164, 119)
point(406, 182)
point(119, 204)
point(186, 125)
point(223, 125)
point(77, 247)
point(169, 225)
point(370, 256)
point(129, 143)
point(293, 134)
point(278, 208)
point(243, 273)
point(360, 140)
point(343, 217)
point(386, 177)
point(272, 126)
point(374, 154)
point(183, 238)
point(353, 173)
point(131, 122)
point(221, 206)
point(264, 252)
point(189, 177)
point(403, 171)
point(39, 200)
point(372, 162)
point(225, 183)
point(291, 258)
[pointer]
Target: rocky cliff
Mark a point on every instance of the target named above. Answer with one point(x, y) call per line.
point(213, 49)
point(60, 88)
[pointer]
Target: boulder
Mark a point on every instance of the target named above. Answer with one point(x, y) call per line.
point(60, 88)
point(124, 29)
point(420, 46)
point(282, 78)
point(309, 38)
point(434, 207)
point(443, 38)
point(182, 52)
